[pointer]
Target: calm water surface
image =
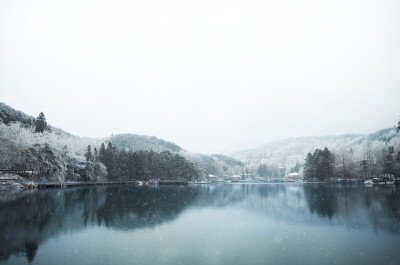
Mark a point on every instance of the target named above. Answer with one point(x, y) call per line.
point(212, 224)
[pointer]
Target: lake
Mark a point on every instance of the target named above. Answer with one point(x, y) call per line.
point(203, 224)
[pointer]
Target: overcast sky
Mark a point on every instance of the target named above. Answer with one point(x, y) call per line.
point(209, 75)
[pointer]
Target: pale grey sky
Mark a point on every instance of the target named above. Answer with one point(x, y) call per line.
point(207, 75)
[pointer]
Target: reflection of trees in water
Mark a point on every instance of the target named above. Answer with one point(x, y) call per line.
point(31, 249)
point(384, 202)
point(127, 207)
point(357, 205)
point(393, 199)
point(27, 219)
point(34, 217)
point(321, 199)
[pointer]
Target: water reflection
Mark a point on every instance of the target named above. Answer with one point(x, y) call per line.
point(27, 219)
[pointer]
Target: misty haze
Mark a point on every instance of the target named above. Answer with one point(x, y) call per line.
point(212, 132)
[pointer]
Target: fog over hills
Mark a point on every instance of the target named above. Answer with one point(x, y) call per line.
point(351, 148)
point(67, 159)
point(300, 146)
point(17, 131)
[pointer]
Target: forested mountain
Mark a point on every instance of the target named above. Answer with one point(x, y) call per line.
point(300, 146)
point(136, 142)
point(8, 116)
point(28, 143)
point(215, 164)
point(43, 153)
point(355, 151)
point(49, 153)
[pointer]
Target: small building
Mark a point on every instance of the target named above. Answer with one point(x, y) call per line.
point(293, 177)
point(236, 177)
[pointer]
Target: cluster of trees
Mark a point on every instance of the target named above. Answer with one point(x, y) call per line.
point(374, 161)
point(142, 142)
point(140, 165)
point(8, 115)
point(386, 161)
point(391, 162)
point(263, 171)
point(296, 168)
point(215, 164)
point(356, 155)
point(319, 166)
point(322, 164)
point(40, 152)
point(269, 169)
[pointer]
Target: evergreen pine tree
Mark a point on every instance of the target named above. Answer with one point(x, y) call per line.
point(397, 166)
point(88, 154)
point(364, 168)
point(388, 164)
point(263, 170)
point(96, 167)
point(110, 161)
point(40, 124)
point(398, 126)
point(319, 165)
point(123, 164)
point(309, 168)
point(89, 171)
point(95, 155)
point(102, 153)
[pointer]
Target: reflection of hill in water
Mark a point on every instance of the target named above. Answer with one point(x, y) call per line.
point(33, 217)
point(356, 206)
point(27, 219)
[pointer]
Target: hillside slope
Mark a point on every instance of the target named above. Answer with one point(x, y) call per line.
point(300, 146)
point(136, 142)
point(350, 150)
point(60, 156)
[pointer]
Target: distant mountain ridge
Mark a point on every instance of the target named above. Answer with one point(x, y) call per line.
point(134, 142)
point(11, 120)
point(142, 142)
point(17, 128)
point(10, 115)
point(279, 150)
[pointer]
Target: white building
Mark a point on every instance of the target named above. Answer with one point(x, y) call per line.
point(293, 177)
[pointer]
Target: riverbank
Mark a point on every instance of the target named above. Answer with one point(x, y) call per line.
point(11, 181)
point(14, 182)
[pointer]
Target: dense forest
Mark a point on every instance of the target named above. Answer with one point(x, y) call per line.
point(40, 152)
point(140, 165)
point(319, 165)
point(354, 155)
